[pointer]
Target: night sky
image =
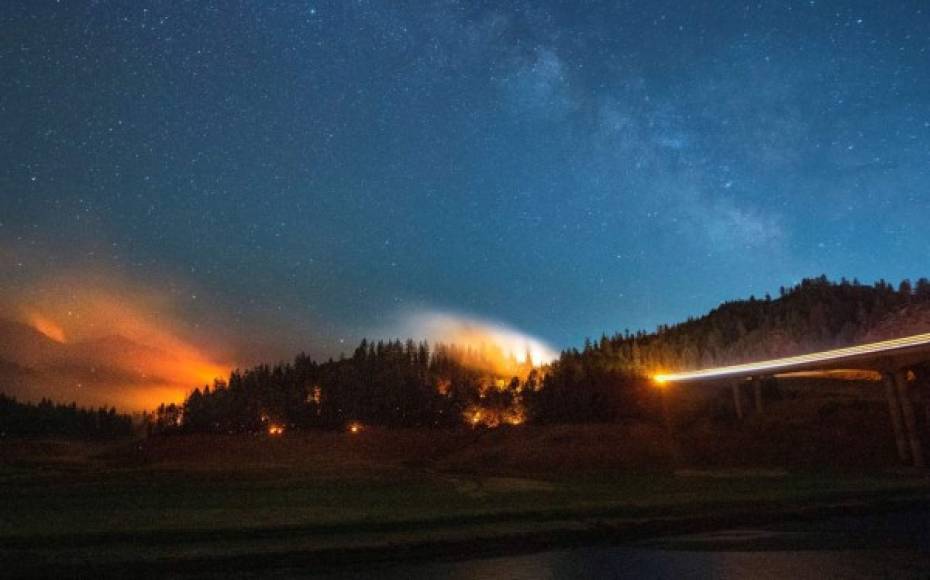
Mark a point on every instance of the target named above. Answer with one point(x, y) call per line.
point(285, 176)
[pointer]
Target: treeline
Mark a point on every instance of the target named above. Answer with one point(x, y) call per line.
point(606, 379)
point(414, 384)
point(814, 315)
point(395, 384)
point(50, 419)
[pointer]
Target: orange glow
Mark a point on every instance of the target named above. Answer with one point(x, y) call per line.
point(841, 374)
point(121, 344)
point(514, 419)
point(660, 380)
point(355, 428)
point(483, 345)
point(493, 417)
point(804, 361)
point(46, 327)
point(275, 430)
point(444, 387)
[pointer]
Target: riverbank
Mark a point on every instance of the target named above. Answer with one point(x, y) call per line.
point(357, 547)
point(204, 506)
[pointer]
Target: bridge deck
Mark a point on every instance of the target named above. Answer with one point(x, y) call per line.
point(885, 355)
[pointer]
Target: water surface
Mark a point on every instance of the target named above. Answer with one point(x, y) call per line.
point(886, 546)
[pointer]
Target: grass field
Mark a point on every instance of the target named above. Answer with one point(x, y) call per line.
point(202, 504)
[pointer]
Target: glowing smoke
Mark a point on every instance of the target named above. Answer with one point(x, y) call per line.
point(45, 326)
point(117, 343)
point(479, 335)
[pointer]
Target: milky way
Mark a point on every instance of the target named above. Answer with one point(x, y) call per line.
point(291, 175)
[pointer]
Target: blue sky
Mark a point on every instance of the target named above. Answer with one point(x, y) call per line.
point(299, 175)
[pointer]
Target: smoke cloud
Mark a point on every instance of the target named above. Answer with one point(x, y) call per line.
point(479, 335)
point(101, 340)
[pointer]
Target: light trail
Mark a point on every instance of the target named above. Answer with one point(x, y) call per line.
point(804, 360)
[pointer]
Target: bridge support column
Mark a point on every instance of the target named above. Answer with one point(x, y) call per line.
point(669, 428)
point(910, 422)
point(894, 410)
point(757, 393)
point(737, 401)
point(922, 384)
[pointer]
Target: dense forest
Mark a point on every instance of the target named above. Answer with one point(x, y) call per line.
point(413, 384)
point(49, 419)
point(814, 315)
point(385, 383)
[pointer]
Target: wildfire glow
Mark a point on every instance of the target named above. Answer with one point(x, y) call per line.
point(490, 417)
point(120, 343)
point(355, 428)
point(514, 419)
point(275, 430)
point(46, 326)
point(500, 344)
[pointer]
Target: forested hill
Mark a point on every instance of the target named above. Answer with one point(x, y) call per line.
point(605, 380)
point(817, 314)
point(416, 384)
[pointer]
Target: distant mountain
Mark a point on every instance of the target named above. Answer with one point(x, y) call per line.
point(24, 345)
point(108, 370)
point(16, 378)
point(119, 356)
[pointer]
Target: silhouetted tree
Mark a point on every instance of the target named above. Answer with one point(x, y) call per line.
point(50, 419)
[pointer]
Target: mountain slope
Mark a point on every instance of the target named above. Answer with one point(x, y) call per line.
point(112, 370)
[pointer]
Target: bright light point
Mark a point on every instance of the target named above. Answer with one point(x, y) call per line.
point(660, 380)
point(275, 430)
point(355, 428)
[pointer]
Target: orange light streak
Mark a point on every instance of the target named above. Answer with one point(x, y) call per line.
point(785, 364)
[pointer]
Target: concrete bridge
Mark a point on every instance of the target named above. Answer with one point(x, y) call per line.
point(895, 360)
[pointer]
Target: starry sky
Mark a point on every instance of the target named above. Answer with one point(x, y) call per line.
point(292, 176)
